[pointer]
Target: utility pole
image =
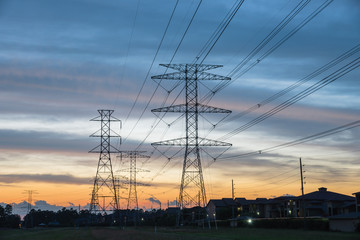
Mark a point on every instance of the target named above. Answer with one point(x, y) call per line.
point(302, 192)
point(232, 189)
point(233, 197)
point(104, 186)
point(192, 185)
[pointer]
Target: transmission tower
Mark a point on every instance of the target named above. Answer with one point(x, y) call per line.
point(30, 199)
point(192, 188)
point(120, 183)
point(133, 155)
point(104, 195)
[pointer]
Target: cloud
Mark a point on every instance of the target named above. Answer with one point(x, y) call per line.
point(46, 178)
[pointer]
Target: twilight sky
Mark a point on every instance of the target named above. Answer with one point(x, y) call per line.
point(61, 61)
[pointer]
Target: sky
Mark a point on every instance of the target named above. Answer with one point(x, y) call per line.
point(61, 61)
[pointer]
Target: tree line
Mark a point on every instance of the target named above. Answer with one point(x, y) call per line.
point(7, 219)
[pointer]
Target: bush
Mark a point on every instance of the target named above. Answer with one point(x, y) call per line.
point(288, 223)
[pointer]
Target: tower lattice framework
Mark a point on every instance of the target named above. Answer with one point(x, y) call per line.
point(132, 202)
point(192, 187)
point(104, 194)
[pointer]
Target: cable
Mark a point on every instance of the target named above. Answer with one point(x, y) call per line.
point(299, 141)
point(152, 63)
point(314, 74)
point(157, 87)
point(308, 91)
point(214, 38)
point(270, 36)
point(223, 84)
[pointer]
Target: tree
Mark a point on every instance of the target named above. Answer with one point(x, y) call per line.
point(8, 209)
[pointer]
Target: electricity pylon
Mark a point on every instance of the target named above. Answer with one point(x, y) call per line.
point(30, 199)
point(104, 195)
point(192, 188)
point(133, 155)
point(120, 183)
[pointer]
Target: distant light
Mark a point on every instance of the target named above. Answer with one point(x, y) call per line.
point(142, 219)
point(249, 221)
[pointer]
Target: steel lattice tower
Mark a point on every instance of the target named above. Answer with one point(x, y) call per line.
point(133, 155)
point(192, 188)
point(104, 194)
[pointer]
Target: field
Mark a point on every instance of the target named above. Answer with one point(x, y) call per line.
point(170, 234)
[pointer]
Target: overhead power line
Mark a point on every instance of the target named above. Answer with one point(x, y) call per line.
point(152, 63)
point(308, 91)
point(298, 141)
point(285, 21)
point(298, 83)
point(208, 46)
point(222, 85)
point(159, 83)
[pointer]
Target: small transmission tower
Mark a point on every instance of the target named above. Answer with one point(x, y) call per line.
point(192, 188)
point(133, 155)
point(30, 199)
point(104, 194)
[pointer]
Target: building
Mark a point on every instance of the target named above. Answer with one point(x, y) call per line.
point(321, 203)
point(324, 203)
point(221, 208)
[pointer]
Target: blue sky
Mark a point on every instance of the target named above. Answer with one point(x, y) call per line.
point(60, 61)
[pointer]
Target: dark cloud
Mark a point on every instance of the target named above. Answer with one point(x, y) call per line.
point(47, 178)
point(35, 140)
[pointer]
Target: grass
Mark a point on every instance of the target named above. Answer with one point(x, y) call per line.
point(171, 233)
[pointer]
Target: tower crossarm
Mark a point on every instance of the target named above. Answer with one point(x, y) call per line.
point(98, 149)
point(190, 76)
point(191, 142)
point(201, 108)
point(137, 154)
point(191, 67)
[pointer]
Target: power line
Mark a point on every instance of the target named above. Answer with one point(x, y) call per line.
point(152, 63)
point(270, 36)
point(214, 38)
point(299, 141)
point(281, 93)
point(158, 84)
point(222, 85)
point(219, 31)
point(308, 91)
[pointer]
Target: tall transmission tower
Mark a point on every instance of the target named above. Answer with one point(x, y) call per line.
point(192, 187)
point(104, 195)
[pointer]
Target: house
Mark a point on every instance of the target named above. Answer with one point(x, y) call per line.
point(221, 208)
point(357, 201)
point(284, 206)
point(324, 203)
point(321, 203)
